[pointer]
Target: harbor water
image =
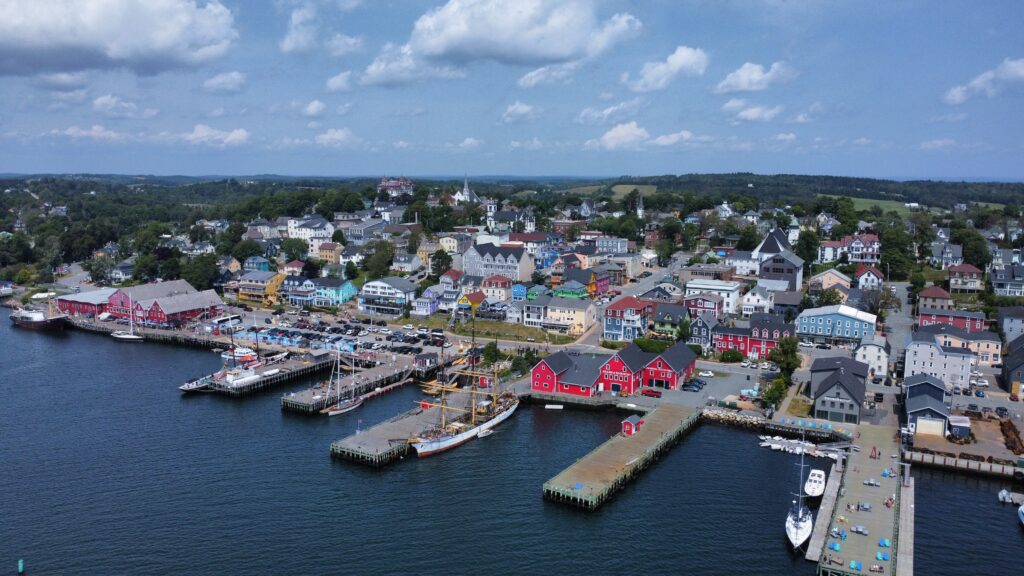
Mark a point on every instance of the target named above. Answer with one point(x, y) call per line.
point(109, 469)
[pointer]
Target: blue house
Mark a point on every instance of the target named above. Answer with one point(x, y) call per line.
point(256, 264)
point(298, 290)
point(519, 292)
point(333, 291)
point(546, 257)
point(838, 322)
point(428, 303)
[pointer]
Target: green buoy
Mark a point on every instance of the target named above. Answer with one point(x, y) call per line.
point(21, 566)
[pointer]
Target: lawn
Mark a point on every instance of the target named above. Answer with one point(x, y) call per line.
point(885, 205)
point(583, 190)
point(488, 329)
point(799, 407)
point(620, 190)
point(937, 277)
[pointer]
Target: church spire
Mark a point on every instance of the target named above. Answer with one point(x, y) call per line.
point(640, 206)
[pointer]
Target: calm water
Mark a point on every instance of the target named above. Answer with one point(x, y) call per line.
point(108, 469)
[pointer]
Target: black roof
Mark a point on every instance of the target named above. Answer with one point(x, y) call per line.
point(558, 362)
point(923, 380)
point(674, 312)
point(635, 358)
point(924, 401)
point(493, 250)
point(840, 363)
point(852, 383)
point(679, 356)
point(585, 369)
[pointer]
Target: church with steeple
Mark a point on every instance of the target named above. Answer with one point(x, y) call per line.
point(465, 195)
point(640, 206)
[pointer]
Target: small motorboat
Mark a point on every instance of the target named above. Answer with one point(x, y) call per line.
point(815, 484)
point(1004, 496)
point(553, 406)
point(126, 336)
point(485, 433)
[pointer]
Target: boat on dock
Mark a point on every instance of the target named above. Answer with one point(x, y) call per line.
point(799, 521)
point(128, 335)
point(239, 354)
point(197, 385)
point(347, 401)
point(815, 484)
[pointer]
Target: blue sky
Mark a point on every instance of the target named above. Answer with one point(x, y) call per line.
point(517, 87)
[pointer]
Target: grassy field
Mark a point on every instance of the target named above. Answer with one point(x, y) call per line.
point(620, 190)
point(488, 329)
point(583, 190)
point(886, 205)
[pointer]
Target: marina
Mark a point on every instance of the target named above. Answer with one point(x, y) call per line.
point(376, 379)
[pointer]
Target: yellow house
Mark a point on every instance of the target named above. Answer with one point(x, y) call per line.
point(449, 244)
point(425, 250)
point(260, 288)
point(987, 346)
point(330, 252)
point(570, 315)
point(471, 301)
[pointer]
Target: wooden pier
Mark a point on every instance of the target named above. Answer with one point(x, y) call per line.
point(593, 479)
point(388, 441)
point(177, 337)
point(880, 521)
point(825, 512)
point(294, 368)
point(905, 522)
point(384, 375)
point(963, 465)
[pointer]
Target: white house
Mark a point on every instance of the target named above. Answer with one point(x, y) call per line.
point(868, 277)
point(926, 355)
point(387, 296)
point(728, 290)
point(406, 263)
point(314, 229)
point(873, 350)
point(760, 299)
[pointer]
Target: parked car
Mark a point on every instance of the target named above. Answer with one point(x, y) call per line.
point(764, 366)
point(1014, 398)
point(980, 393)
point(1002, 412)
point(385, 331)
point(806, 344)
point(824, 346)
point(651, 392)
point(706, 374)
point(972, 407)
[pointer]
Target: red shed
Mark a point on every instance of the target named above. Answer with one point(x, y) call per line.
point(631, 425)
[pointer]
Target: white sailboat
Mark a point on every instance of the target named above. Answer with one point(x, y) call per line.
point(799, 521)
point(130, 335)
point(1020, 513)
point(346, 402)
point(815, 484)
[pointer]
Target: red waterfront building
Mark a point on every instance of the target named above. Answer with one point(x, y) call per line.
point(968, 321)
point(167, 303)
point(755, 341)
point(622, 373)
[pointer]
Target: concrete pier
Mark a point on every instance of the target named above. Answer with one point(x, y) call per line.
point(593, 479)
point(825, 512)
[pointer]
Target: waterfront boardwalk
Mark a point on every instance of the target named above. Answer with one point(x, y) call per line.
point(825, 511)
point(594, 478)
point(881, 522)
point(395, 370)
point(388, 441)
point(905, 562)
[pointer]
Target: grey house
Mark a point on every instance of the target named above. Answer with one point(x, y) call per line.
point(925, 405)
point(838, 386)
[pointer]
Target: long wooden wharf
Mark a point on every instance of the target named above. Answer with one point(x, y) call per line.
point(388, 441)
point(880, 521)
point(593, 479)
point(963, 465)
point(825, 511)
point(312, 400)
point(177, 337)
point(300, 366)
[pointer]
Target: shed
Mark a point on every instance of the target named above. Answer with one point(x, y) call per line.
point(960, 426)
point(631, 425)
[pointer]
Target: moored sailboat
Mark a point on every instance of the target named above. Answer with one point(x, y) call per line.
point(799, 521)
point(347, 401)
point(130, 335)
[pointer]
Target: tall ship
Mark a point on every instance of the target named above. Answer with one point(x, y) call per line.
point(33, 319)
point(487, 406)
point(347, 399)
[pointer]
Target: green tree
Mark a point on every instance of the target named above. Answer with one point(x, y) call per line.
point(774, 393)
point(414, 242)
point(294, 248)
point(99, 268)
point(749, 238)
point(491, 353)
point(917, 282)
point(732, 356)
point(201, 271)
point(230, 238)
point(338, 236)
point(829, 297)
point(146, 267)
point(671, 229)
point(378, 265)
point(664, 250)
point(787, 357)
point(684, 331)
point(538, 278)
point(246, 248)
point(807, 245)
point(351, 270)
point(975, 247)
point(440, 262)
point(169, 269)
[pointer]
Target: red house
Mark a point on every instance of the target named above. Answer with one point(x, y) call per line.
point(705, 303)
point(967, 321)
point(671, 368)
point(561, 373)
point(757, 340)
point(631, 425)
point(623, 372)
point(91, 303)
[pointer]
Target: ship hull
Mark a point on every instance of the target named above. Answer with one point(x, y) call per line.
point(431, 447)
point(51, 324)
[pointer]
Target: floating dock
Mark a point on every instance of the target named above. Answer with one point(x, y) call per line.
point(383, 376)
point(881, 522)
point(592, 480)
point(388, 441)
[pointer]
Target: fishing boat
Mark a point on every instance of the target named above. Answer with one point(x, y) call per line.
point(1020, 514)
point(477, 420)
point(130, 335)
point(815, 484)
point(347, 400)
point(799, 521)
point(239, 354)
point(33, 319)
point(197, 385)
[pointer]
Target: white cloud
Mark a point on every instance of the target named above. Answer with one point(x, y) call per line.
point(95, 132)
point(658, 75)
point(62, 81)
point(531, 144)
point(63, 100)
point(314, 109)
point(950, 118)
point(396, 65)
point(620, 136)
point(813, 113)
point(337, 138)
point(115, 107)
point(752, 77)
point(862, 141)
point(400, 145)
point(673, 138)
point(343, 108)
point(785, 137)
point(341, 45)
point(225, 83)
point(302, 30)
point(555, 35)
point(313, 125)
point(519, 112)
point(145, 37)
point(340, 82)
point(938, 144)
point(614, 113)
point(203, 135)
point(743, 110)
point(989, 82)
point(470, 143)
